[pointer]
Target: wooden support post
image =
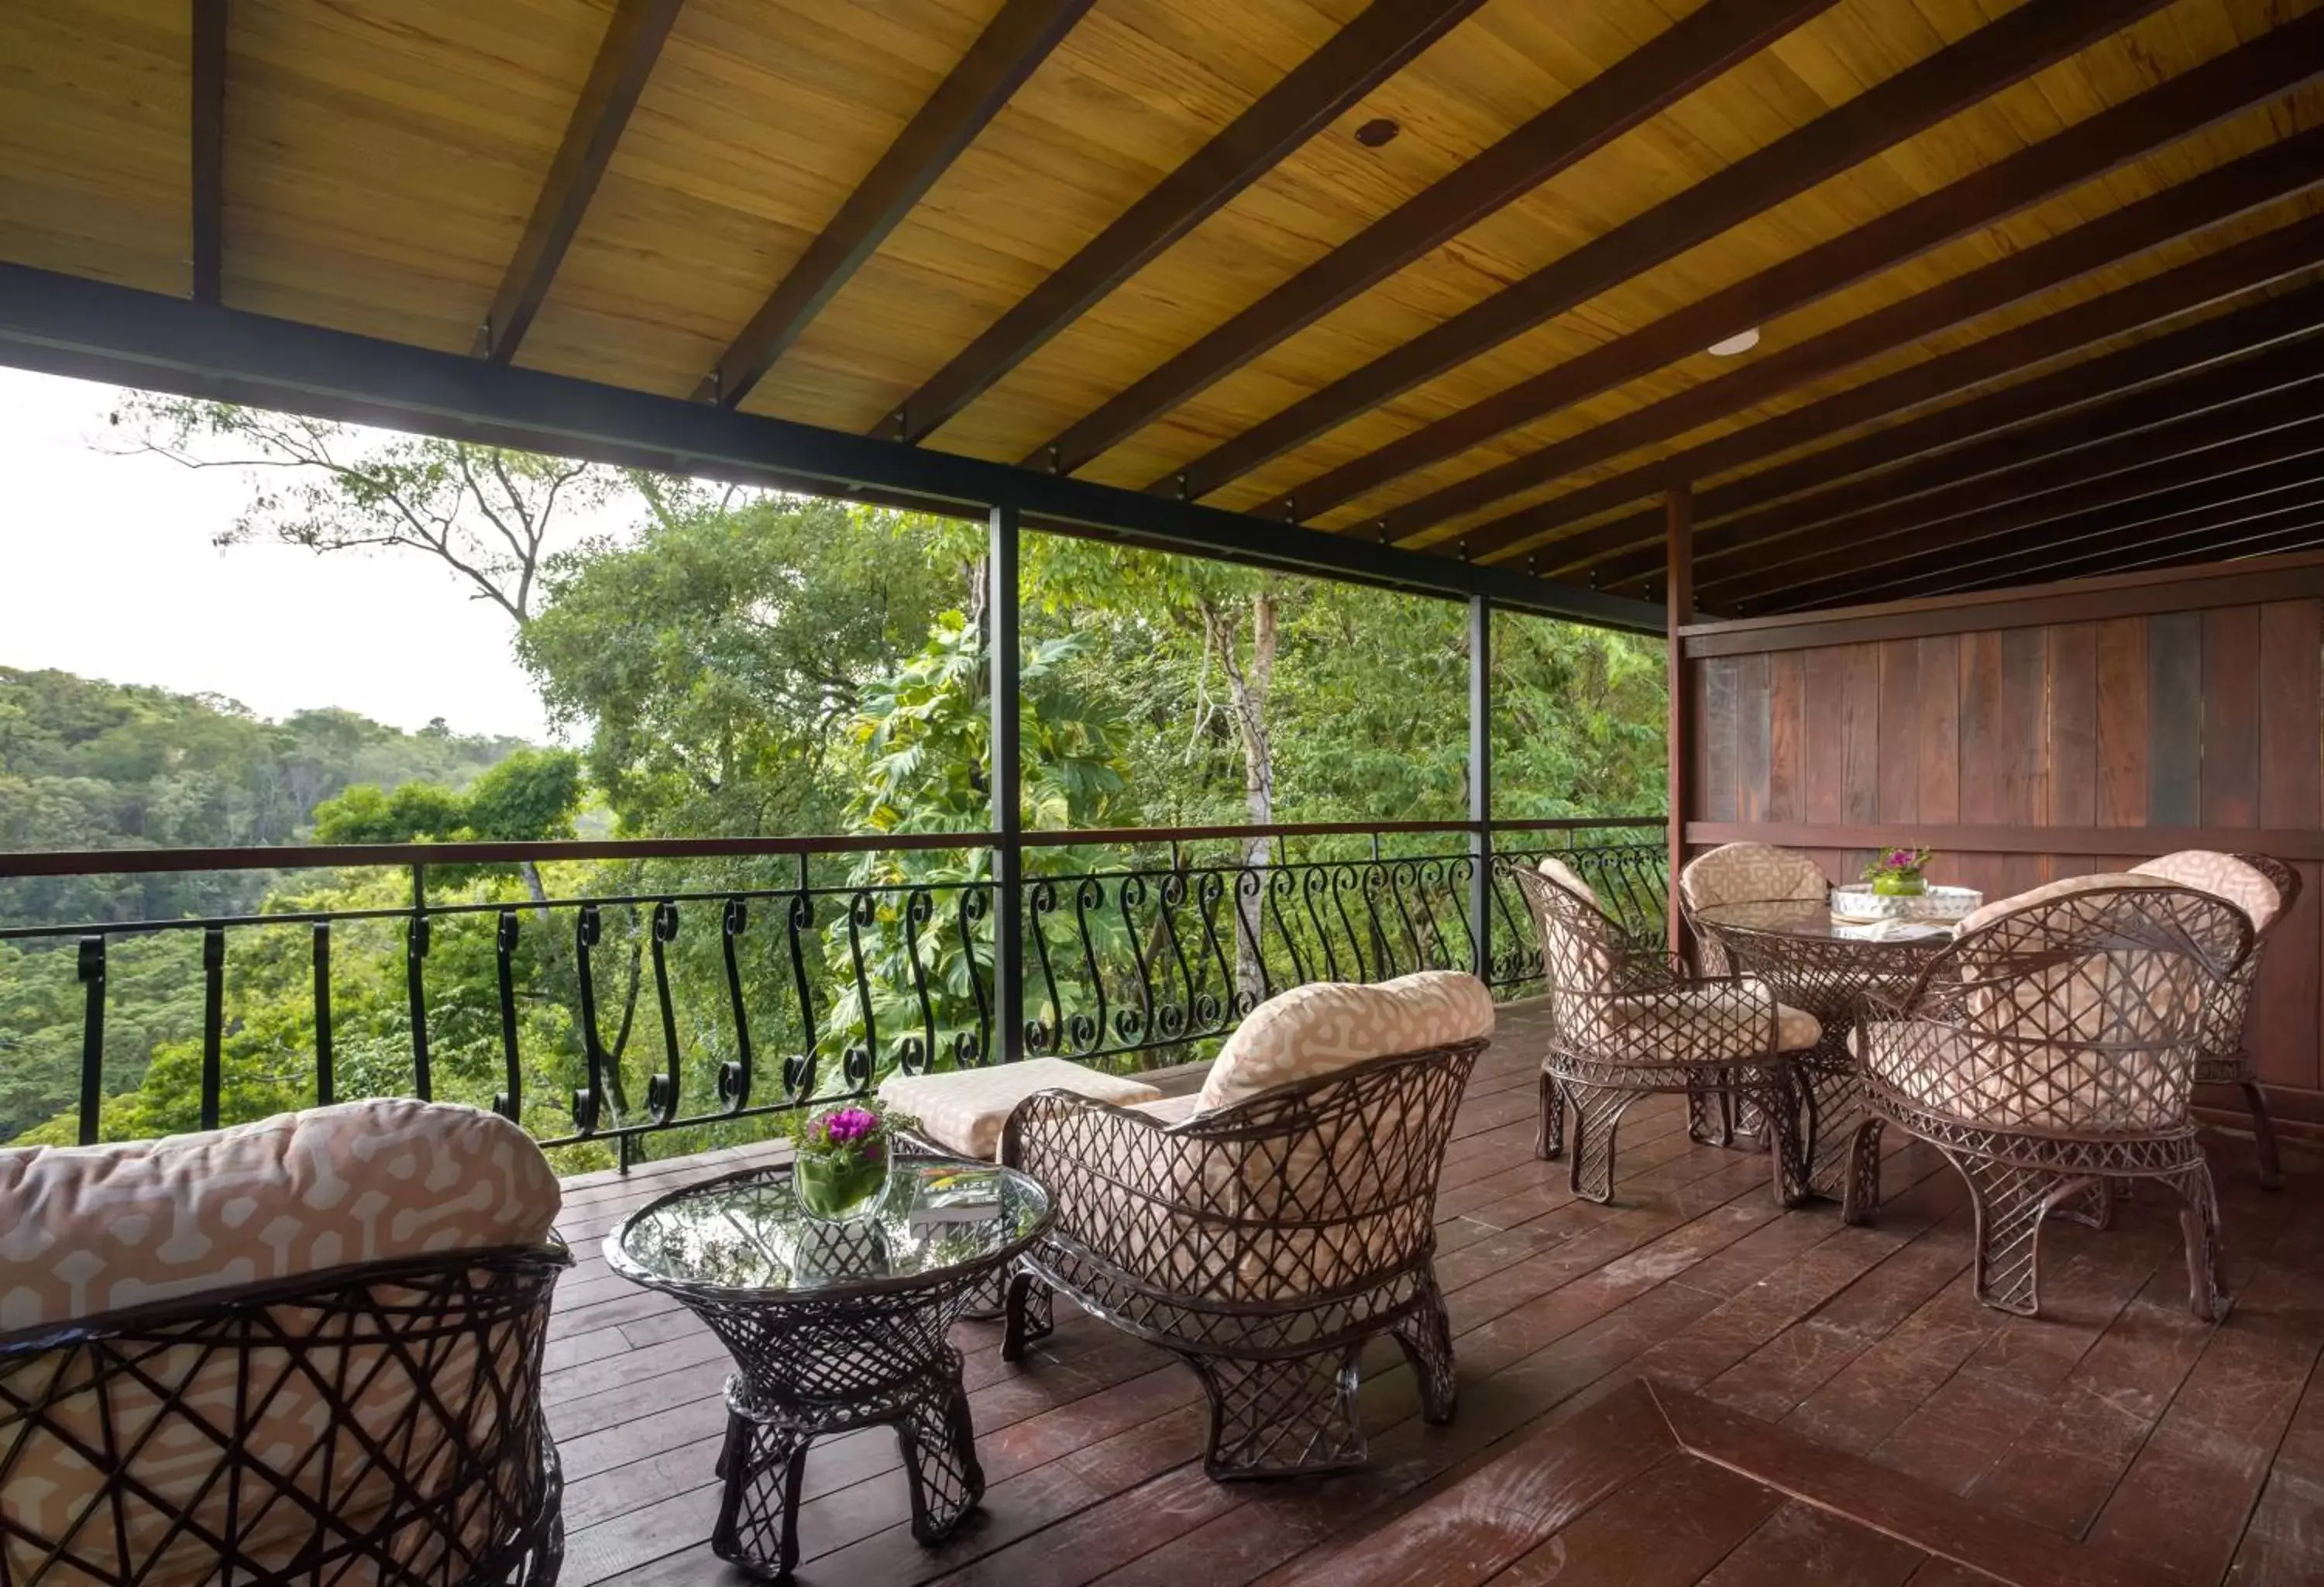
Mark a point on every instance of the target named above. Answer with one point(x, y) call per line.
point(1481, 781)
point(1003, 773)
point(1678, 533)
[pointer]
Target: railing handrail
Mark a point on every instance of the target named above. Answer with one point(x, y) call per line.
point(18, 864)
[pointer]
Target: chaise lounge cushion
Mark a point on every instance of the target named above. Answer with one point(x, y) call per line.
point(964, 1110)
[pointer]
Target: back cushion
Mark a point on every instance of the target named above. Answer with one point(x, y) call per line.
point(95, 1229)
point(2221, 875)
point(1316, 1029)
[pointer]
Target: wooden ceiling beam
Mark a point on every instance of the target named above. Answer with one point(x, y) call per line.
point(2158, 358)
point(1643, 84)
point(625, 58)
point(2219, 404)
point(2089, 410)
point(1352, 63)
point(2260, 178)
point(2208, 448)
point(2249, 76)
point(2036, 34)
point(207, 127)
point(2199, 534)
point(1015, 43)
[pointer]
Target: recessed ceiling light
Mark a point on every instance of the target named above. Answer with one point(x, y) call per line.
point(1375, 132)
point(1741, 342)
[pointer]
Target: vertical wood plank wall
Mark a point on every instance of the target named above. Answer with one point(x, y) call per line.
point(2042, 734)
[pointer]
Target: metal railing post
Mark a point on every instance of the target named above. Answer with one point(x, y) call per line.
point(1480, 781)
point(1003, 775)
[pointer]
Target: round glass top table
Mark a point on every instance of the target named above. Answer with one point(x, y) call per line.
point(835, 1326)
point(1826, 966)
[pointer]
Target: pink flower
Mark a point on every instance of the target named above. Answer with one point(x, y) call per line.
point(1900, 859)
point(850, 1124)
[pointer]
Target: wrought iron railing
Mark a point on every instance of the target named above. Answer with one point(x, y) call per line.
point(687, 984)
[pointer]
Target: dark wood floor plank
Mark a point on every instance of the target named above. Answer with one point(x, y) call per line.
point(1799, 1543)
point(1664, 1531)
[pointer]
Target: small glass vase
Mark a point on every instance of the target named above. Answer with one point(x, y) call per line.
point(842, 1188)
point(1900, 884)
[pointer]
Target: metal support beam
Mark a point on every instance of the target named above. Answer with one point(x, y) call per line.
point(207, 128)
point(1678, 538)
point(94, 330)
point(1004, 775)
point(1481, 779)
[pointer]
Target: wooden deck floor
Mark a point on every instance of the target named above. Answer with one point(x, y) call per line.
point(2115, 1416)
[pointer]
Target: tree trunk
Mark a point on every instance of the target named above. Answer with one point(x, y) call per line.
point(1248, 687)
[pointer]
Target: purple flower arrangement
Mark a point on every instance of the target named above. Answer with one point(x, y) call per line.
point(1898, 870)
point(840, 1166)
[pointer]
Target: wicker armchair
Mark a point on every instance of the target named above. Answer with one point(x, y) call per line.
point(1739, 874)
point(1628, 1022)
point(2265, 889)
point(1265, 1241)
point(364, 1421)
point(2049, 1053)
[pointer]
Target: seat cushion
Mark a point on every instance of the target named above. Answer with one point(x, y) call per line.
point(2020, 1084)
point(95, 1229)
point(1326, 1026)
point(1796, 1029)
point(964, 1110)
point(2221, 875)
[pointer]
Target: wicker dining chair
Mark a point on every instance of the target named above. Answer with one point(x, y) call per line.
point(1264, 1232)
point(2049, 1053)
point(303, 1351)
point(1628, 1021)
point(2265, 889)
point(1739, 874)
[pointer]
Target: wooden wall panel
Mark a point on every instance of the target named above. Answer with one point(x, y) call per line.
point(2201, 727)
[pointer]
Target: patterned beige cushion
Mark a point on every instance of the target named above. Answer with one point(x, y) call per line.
point(964, 1110)
point(2065, 887)
point(2028, 1085)
point(101, 1228)
point(1566, 877)
point(1314, 1030)
point(1750, 874)
point(1170, 1110)
point(93, 1228)
point(1796, 1029)
point(2221, 875)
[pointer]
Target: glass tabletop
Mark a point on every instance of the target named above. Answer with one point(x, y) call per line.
point(747, 1231)
point(1800, 917)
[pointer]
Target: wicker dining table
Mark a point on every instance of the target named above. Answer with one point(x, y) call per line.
point(1814, 961)
point(832, 1326)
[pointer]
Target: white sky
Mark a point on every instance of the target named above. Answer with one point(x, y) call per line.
point(107, 569)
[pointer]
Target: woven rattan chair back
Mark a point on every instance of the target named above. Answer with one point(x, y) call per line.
point(1744, 873)
point(374, 1424)
point(2051, 1052)
point(1263, 1243)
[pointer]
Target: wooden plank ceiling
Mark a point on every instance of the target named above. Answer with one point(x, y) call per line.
point(2039, 288)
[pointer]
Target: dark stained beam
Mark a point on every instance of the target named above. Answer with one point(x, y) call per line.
point(2259, 178)
point(1639, 87)
point(2005, 52)
point(1997, 468)
point(1354, 62)
point(208, 129)
point(1678, 605)
point(996, 65)
point(2158, 358)
point(90, 330)
point(2196, 533)
point(2123, 233)
point(2185, 455)
point(625, 58)
point(2223, 87)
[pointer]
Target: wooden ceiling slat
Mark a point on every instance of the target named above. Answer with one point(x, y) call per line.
point(1004, 55)
point(2239, 268)
point(1651, 77)
point(2269, 174)
point(634, 35)
point(2209, 447)
point(208, 129)
point(2246, 519)
point(2157, 358)
point(2226, 84)
point(1352, 62)
point(2080, 444)
point(2008, 50)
